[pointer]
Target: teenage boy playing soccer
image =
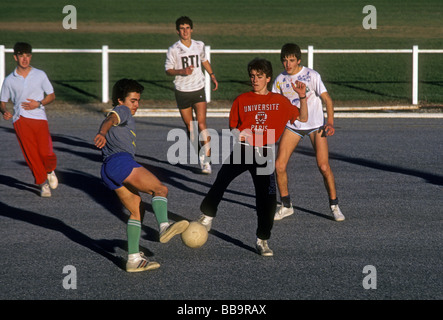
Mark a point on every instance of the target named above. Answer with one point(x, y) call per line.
point(30, 91)
point(184, 61)
point(257, 119)
point(121, 173)
point(315, 128)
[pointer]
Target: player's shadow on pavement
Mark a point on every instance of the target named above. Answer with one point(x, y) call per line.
point(368, 163)
point(102, 247)
point(232, 240)
point(318, 214)
point(20, 185)
point(98, 192)
point(101, 195)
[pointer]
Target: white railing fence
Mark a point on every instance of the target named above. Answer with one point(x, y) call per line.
point(105, 51)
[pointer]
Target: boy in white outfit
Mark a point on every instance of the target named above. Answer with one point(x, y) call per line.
point(185, 61)
point(315, 128)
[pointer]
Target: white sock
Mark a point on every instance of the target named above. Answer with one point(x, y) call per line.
point(133, 256)
point(164, 226)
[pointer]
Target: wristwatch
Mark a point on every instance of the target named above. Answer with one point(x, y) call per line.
point(41, 105)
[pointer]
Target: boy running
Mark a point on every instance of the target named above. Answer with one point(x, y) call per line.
point(30, 91)
point(184, 61)
point(121, 173)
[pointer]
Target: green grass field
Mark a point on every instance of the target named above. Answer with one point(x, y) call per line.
point(228, 24)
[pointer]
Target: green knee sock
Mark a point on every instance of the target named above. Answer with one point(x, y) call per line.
point(160, 207)
point(134, 229)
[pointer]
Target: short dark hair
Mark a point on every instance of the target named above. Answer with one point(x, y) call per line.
point(123, 87)
point(261, 65)
point(22, 47)
point(290, 49)
point(183, 20)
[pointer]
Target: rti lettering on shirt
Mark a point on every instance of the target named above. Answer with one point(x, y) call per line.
point(190, 61)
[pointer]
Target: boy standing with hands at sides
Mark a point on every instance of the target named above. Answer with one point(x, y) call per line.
point(30, 91)
point(121, 173)
point(315, 128)
point(184, 61)
point(257, 120)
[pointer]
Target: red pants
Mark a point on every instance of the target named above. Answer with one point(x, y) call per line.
point(36, 144)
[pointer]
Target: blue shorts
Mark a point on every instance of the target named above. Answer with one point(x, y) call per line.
point(116, 168)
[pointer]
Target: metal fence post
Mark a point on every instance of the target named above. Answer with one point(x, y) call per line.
point(207, 76)
point(105, 74)
point(415, 75)
point(2, 64)
point(311, 57)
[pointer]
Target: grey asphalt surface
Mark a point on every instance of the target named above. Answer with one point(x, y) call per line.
point(389, 178)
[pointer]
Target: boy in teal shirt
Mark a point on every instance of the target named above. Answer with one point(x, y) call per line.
point(121, 173)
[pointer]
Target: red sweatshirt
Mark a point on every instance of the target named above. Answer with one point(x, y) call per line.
point(263, 116)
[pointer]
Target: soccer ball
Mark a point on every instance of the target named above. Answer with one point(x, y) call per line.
point(195, 235)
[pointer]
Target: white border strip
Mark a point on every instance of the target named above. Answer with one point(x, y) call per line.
point(156, 113)
point(224, 113)
point(416, 115)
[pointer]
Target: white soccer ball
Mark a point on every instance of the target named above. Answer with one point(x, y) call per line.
point(195, 235)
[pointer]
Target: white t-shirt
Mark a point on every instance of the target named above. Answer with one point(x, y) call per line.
point(180, 56)
point(19, 89)
point(314, 89)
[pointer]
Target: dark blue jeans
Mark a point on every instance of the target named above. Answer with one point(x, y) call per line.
point(246, 158)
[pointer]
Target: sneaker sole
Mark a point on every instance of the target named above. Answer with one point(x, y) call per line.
point(276, 218)
point(150, 266)
point(265, 254)
point(175, 229)
point(46, 194)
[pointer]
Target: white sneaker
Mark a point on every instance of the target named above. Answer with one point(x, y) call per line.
point(207, 169)
point(206, 221)
point(205, 164)
point(283, 212)
point(52, 179)
point(263, 248)
point(45, 191)
point(338, 215)
point(138, 262)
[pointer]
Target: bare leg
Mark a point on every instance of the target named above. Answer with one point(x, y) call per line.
point(320, 145)
point(200, 110)
point(288, 143)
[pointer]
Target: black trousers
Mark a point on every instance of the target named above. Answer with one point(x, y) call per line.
point(258, 162)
